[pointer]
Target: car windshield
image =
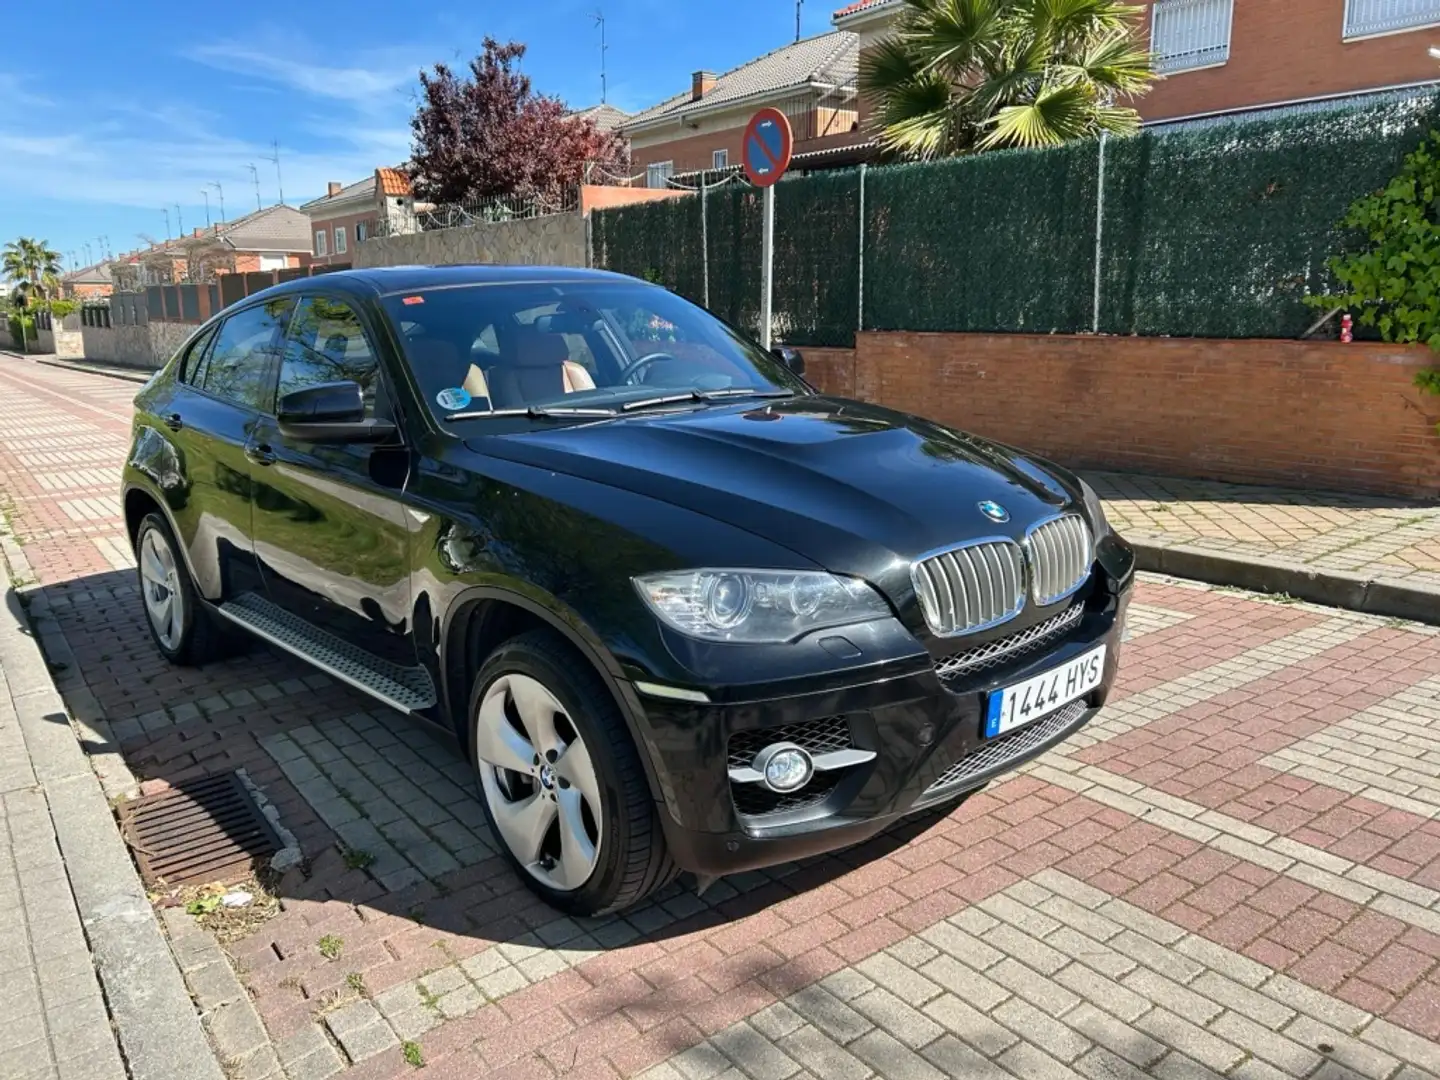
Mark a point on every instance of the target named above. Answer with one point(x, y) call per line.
point(585, 348)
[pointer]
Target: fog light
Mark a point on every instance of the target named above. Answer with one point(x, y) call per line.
point(785, 767)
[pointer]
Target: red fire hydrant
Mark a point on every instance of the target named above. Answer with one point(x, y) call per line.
point(1347, 328)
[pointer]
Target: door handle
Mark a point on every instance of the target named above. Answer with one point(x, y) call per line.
point(260, 454)
point(174, 422)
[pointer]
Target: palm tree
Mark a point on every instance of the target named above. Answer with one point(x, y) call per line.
point(31, 264)
point(959, 76)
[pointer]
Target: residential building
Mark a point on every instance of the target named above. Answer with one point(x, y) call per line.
point(347, 215)
point(87, 282)
point(606, 117)
point(275, 238)
point(813, 82)
point(1221, 56)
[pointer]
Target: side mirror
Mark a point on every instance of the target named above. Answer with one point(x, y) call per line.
point(791, 358)
point(329, 412)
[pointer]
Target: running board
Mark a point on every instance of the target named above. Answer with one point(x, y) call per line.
point(404, 688)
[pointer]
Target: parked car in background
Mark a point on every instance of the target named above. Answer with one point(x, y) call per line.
point(683, 611)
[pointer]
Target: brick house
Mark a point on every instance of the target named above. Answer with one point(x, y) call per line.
point(90, 281)
point(1229, 55)
point(275, 238)
point(347, 215)
point(812, 81)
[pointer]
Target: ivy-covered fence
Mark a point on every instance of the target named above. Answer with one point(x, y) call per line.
point(1215, 230)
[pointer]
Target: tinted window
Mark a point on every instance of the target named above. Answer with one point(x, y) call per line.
point(192, 370)
point(327, 344)
point(594, 343)
point(241, 365)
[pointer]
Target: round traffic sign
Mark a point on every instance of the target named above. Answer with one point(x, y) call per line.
point(766, 147)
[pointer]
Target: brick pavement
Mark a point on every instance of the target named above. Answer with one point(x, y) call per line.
point(1383, 539)
point(1235, 871)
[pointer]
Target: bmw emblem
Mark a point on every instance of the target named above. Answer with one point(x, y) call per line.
point(995, 512)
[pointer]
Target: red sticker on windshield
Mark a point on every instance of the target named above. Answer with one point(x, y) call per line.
point(413, 300)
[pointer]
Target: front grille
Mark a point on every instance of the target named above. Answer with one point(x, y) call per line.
point(998, 753)
point(1060, 555)
point(1008, 649)
point(971, 587)
point(814, 736)
point(756, 800)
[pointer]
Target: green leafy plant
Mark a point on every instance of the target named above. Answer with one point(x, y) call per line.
point(330, 946)
point(413, 1055)
point(957, 76)
point(203, 905)
point(1393, 282)
point(355, 859)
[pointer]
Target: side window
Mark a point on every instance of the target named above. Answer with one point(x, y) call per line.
point(240, 366)
point(192, 368)
point(328, 344)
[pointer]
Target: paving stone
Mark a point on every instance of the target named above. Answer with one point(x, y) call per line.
point(818, 1006)
point(911, 1027)
point(235, 1029)
point(1190, 1040)
point(1045, 994)
point(460, 1002)
point(1101, 1064)
point(1284, 1053)
point(1119, 1037)
point(214, 984)
point(755, 1054)
point(1055, 1037)
point(1029, 1061)
point(965, 983)
point(776, 1021)
point(1091, 986)
point(905, 982)
point(892, 1059)
point(972, 1026)
point(822, 1056)
point(1367, 1060)
point(444, 980)
point(1246, 1002)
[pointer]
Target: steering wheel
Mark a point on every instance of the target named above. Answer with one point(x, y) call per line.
point(627, 374)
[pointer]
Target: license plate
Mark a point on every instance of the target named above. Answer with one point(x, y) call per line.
point(1018, 705)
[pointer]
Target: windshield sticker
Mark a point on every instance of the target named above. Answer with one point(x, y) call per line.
point(409, 300)
point(452, 398)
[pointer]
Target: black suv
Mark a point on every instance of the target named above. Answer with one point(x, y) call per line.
point(684, 612)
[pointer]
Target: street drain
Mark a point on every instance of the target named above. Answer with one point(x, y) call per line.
point(203, 831)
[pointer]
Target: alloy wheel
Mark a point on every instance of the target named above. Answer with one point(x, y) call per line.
point(539, 781)
point(160, 584)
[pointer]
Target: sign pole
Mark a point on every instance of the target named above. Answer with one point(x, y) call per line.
point(765, 152)
point(767, 265)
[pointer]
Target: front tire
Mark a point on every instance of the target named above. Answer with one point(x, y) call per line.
point(561, 780)
point(180, 624)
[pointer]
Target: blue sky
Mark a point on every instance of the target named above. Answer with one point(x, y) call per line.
point(110, 111)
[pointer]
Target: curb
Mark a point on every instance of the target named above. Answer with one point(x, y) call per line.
point(1332, 588)
point(135, 375)
point(150, 1007)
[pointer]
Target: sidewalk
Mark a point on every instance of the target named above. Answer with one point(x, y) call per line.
point(1380, 556)
point(87, 982)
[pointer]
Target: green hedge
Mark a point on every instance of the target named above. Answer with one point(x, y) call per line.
point(1215, 230)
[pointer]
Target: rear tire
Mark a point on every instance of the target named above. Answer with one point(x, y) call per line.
point(544, 712)
point(181, 626)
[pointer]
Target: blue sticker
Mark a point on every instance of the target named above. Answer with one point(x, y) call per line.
point(455, 397)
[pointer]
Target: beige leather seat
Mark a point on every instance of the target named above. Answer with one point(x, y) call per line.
point(538, 368)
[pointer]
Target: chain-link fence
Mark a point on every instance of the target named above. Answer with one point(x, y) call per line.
point(423, 217)
point(1219, 229)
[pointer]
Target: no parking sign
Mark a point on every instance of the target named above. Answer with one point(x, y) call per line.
point(765, 152)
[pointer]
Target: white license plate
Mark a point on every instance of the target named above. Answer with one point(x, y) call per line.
point(1018, 705)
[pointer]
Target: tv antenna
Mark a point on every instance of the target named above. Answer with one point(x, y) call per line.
point(255, 178)
point(205, 194)
point(221, 192)
point(600, 22)
point(166, 212)
point(274, 159)
point(798, 5)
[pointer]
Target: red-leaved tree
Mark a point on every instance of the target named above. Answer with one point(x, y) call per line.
point(491, 134)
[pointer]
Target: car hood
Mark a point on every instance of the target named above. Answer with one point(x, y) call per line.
point(852, 487)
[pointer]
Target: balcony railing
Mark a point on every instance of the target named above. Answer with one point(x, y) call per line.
point(1364, 18)
point(1189, 34)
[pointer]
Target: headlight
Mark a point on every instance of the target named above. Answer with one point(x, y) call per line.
point(1095, 511)
point(757, 606)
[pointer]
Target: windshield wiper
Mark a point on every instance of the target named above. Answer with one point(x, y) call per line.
point(705, 395)
point(536, 412)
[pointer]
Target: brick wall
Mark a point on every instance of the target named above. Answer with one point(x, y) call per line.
point(369, 215)
point(1299, 414)
point(1281, 52)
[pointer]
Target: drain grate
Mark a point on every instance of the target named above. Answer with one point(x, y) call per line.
point(206, 830)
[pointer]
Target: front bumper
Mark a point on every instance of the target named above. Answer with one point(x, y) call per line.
point(927, 737)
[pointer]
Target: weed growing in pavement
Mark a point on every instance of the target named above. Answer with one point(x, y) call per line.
point(355, 859)
point(410, 1051)
point(291, 982)
point(356, 982)
point(429, 1000)
point(330, 946)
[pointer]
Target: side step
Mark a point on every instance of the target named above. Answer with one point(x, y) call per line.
point(405, 688)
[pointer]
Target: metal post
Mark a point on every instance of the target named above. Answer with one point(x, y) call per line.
point(1099, 226)
point(705, 238)
point(860, 289)
point(767, 267)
